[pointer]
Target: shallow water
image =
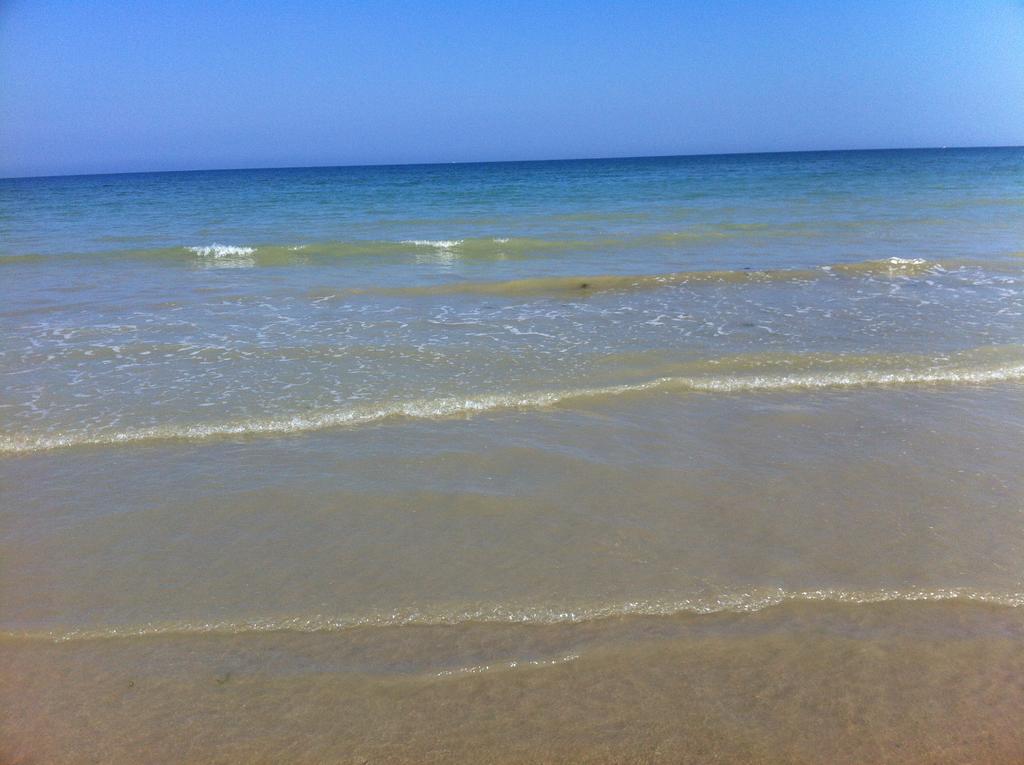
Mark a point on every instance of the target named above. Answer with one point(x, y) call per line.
point(680, 459)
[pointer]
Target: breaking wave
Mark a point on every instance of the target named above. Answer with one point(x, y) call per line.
point(740, 602)
point(801, 373)
point(440, 244)
point(221, 250)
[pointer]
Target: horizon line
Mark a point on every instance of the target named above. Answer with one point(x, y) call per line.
point(623, 157)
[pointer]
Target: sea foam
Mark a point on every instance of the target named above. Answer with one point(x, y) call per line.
point(440, 244)
point(221, 250)
point(455, 406)
point(740, 602)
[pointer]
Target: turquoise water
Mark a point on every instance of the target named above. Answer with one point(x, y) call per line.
point(824, 207)
point(185, 304)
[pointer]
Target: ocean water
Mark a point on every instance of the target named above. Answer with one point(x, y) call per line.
point(670, 459)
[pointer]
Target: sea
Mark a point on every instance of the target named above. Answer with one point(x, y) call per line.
point(677, 459)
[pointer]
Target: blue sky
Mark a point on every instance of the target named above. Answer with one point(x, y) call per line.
point(119, 86)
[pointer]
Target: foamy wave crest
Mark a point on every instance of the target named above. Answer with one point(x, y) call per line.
point(440, 244)
point(750, 601)
point(456, 406)
point(221, 250)
point(224, 256)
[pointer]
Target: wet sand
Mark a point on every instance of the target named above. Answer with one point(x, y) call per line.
point(801, 683)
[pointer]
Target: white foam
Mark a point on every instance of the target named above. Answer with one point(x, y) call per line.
point(455, 406)
point(221, 250)
point(747, 601)
point(477, 669)
point(906, 261)
point(440, 244)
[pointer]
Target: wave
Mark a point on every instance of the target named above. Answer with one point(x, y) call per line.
point(478, 248)
point(440, 244)
point(277, 254)
point(742, 602)
point(221, 250)
point(578, 285)
point(224, 256)
point(756, 374)
point(498, 245)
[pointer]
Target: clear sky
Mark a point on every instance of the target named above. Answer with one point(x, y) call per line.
point(104, 86)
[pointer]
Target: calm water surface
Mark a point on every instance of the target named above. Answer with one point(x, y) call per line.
point(680, 459)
